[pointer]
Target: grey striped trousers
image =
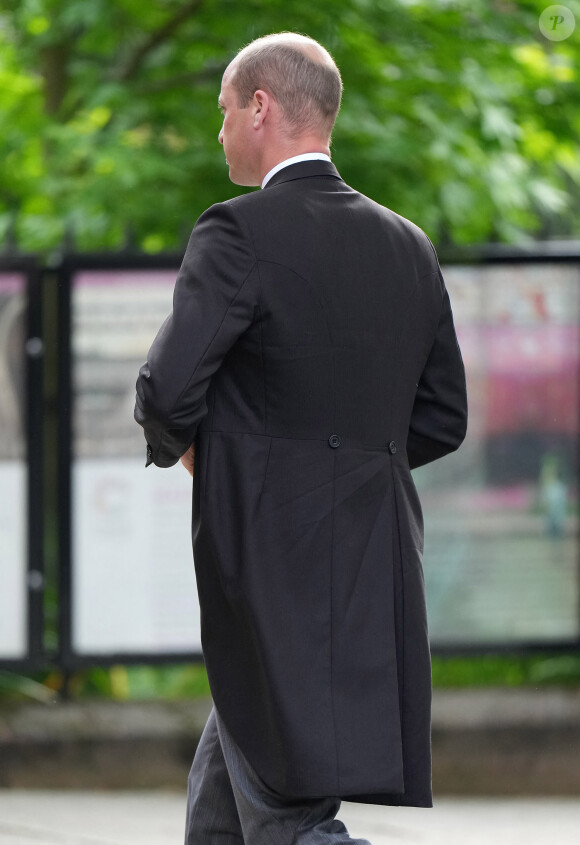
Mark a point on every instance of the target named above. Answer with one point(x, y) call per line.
point(228, 804)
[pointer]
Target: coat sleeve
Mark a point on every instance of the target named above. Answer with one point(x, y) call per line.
point(213, 304)
point(439, 417)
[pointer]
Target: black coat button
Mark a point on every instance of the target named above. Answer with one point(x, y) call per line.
point(392, 447)
point(334, 441)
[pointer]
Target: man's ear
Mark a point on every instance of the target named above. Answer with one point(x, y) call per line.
point(261, 107)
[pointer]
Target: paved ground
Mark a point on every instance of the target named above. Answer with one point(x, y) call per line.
point(156, 818)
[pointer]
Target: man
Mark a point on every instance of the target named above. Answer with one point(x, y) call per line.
point(310, 361)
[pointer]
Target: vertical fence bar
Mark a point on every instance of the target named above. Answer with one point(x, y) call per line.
point(63, 273)
point(34, 351)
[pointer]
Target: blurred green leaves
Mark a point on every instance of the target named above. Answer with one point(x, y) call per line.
point(459, 115)
point(190, 681)
point(507, 670)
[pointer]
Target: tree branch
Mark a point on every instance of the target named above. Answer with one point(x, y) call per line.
point(210, 71)
point(54, 69)
point(156, 38)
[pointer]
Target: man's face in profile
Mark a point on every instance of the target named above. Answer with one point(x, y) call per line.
point(237, 135)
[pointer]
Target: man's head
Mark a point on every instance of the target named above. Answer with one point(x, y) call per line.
point(280, 96)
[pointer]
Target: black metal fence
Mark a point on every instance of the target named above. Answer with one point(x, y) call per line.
point(95, 557)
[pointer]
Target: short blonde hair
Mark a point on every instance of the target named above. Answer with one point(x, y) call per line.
point(298, 73)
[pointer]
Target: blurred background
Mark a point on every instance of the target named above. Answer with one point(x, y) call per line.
point(462, 116)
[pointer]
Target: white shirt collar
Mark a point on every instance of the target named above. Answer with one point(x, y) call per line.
point(294, 160)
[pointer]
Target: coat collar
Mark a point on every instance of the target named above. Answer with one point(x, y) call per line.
point(303, 170)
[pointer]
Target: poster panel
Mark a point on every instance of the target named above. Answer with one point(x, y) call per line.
point(133, 581)
point(13, 507)
point(501, 555)
point(501, 515)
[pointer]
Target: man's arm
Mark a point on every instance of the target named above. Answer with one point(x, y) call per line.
point(213, 304)
point(439, 418)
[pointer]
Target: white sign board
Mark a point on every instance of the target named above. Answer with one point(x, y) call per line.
point(134, 585)
point(501, 514)
point(13, 566)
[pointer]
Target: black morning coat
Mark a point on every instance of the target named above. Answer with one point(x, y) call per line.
point(311, 358)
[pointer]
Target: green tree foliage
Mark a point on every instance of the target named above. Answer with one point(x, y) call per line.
point(460, 115)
